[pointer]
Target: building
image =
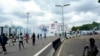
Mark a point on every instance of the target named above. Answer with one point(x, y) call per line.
point(54, 28)
point(11, 30)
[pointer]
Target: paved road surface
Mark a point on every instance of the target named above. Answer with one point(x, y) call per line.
point(29, 50)
point(74, 47)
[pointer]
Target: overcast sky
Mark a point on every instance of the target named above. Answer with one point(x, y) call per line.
point(44, 12)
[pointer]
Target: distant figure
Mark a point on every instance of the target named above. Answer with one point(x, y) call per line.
point(45, 35)
point(91, 49)
point(3, 42)
point(33, 39)
point(21, 41)
point(27, 38)
point(65, 35)
point(60, 35)
point(11, 40)
point(41, 36)
point(38, 36)
point(14, 37)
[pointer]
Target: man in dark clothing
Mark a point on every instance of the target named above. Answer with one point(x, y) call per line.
point(41, 36)
point(60, 35)
point(45, 35)
point(91, 49)
point(38, 36)
point(33, 39)
point(3, 42)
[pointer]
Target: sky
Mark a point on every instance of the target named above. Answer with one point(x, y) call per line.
point(44, 12)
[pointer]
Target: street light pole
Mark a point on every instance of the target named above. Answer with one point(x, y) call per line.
point(62, 21)
point(27, 20)
point(63, 30)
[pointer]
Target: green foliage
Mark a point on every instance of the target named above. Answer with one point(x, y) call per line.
point(74, 28)
point(86, 26)
point(99, 1)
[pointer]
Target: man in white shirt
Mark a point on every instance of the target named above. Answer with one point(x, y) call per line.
point(21, 41)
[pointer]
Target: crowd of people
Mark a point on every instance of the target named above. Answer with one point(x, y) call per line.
point(91, 49)
point(12, 39)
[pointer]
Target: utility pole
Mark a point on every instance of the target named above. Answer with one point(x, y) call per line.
point(63, 30)
point(27, 21)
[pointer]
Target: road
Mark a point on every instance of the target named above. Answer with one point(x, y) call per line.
point(29, 50)
point(75, 46)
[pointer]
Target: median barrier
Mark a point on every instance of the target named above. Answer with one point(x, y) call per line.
point(56, 43)
point(50, 49)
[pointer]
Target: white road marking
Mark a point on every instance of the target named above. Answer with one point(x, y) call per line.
point(38, 53)
point(61, 48)
point(70, 55)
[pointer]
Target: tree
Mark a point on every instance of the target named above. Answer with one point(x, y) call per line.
point(99, 1)
point(86, 26)
point(74, 28)
point(95, 24)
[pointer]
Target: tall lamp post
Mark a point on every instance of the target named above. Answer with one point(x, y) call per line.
point(27, 21)
point(62, 16)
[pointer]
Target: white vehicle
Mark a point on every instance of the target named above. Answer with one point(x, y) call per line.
point(69, 36)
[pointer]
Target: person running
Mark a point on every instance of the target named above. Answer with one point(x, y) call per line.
point(3, 42)
point(33, 39)
point(21, 41)
point(10, 40)
point(27, 38)
point(91, 49)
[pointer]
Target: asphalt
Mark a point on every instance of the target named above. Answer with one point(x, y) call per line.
point(29, 49)
point(75, 46)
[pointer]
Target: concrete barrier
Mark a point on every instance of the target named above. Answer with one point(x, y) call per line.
point(50, 49)
point(56, 43)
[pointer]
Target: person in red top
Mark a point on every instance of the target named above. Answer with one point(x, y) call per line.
point(27, 38)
